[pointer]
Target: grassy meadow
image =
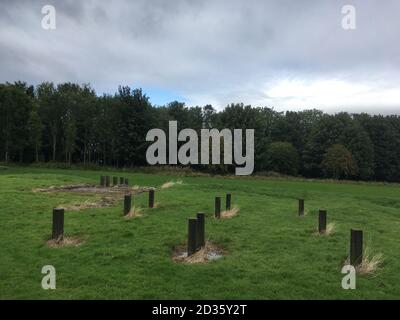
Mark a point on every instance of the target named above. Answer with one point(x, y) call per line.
point(269, 252)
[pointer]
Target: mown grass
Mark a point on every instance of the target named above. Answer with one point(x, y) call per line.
point(271, 253)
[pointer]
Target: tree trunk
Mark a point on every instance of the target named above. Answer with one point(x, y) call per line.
point(84, 154)
point(6, 151)
point(54, 148)
point(37, 153)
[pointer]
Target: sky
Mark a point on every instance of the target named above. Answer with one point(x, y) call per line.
point(285, 54)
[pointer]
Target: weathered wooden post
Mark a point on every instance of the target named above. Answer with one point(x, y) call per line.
point(228, 201)
point(107, 181)
point(58, 224)
point(151, 198)
point(192, 236)
point(301, 207)
point(356, 247)
point(218, 207)
point(121, 181)
point(126, 181)
point(200, 242)
point(102, 181)
point(127, 203)
point(115, 181)
point(322, 221)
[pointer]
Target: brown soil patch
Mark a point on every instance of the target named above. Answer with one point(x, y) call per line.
point(65, 242)
point(207, 254)
point(109, 195)
point(89, 188)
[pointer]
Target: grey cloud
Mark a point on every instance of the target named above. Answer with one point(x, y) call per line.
point(222, 51)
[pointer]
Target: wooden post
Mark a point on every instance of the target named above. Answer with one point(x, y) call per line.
point(322, 221)
point(115, 181)
point(228, 201)
point(200, 242)
point(121, 181)
point(126, 182)
point(218, 207)
point(356, 247)
point(102, 181)
point(151, 198)
point(107, 181)
point(192, 236)
point(301, 207)
point(127, 203)
point(58, 224)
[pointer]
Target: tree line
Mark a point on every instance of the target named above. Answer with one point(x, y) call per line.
point(69, 123)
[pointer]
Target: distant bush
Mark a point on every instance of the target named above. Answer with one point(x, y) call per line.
point(282, 157)
point(339, 163)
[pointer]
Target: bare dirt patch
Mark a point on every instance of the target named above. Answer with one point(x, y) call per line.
point(207, 254)
point(108, 195)
point(65, 242)
point(89, 188)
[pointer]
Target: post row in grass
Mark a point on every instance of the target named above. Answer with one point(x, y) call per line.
point(356, 236)
point(228, 201)
point(151, 198)
point(58, 224)
point(196, 233)
point(105, 181)
point(217, 211)
point(322, 221)
point(301, 207)
point(356, 247)
point(127, 204)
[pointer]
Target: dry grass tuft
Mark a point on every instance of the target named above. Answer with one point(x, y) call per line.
point(134, 213)
point(65, 242)
point(170, 184)
point(304, 214)
point(370, 264)
point(330, 229)
point(205, 255)
point(230, 213)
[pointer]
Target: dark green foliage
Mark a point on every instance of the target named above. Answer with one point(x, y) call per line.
point(69, 122)
point(282, 157)
point(339, 163)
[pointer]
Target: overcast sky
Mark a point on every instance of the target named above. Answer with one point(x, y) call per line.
point(290, 55)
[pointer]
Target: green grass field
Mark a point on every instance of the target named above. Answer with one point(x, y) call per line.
point(270, 253)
